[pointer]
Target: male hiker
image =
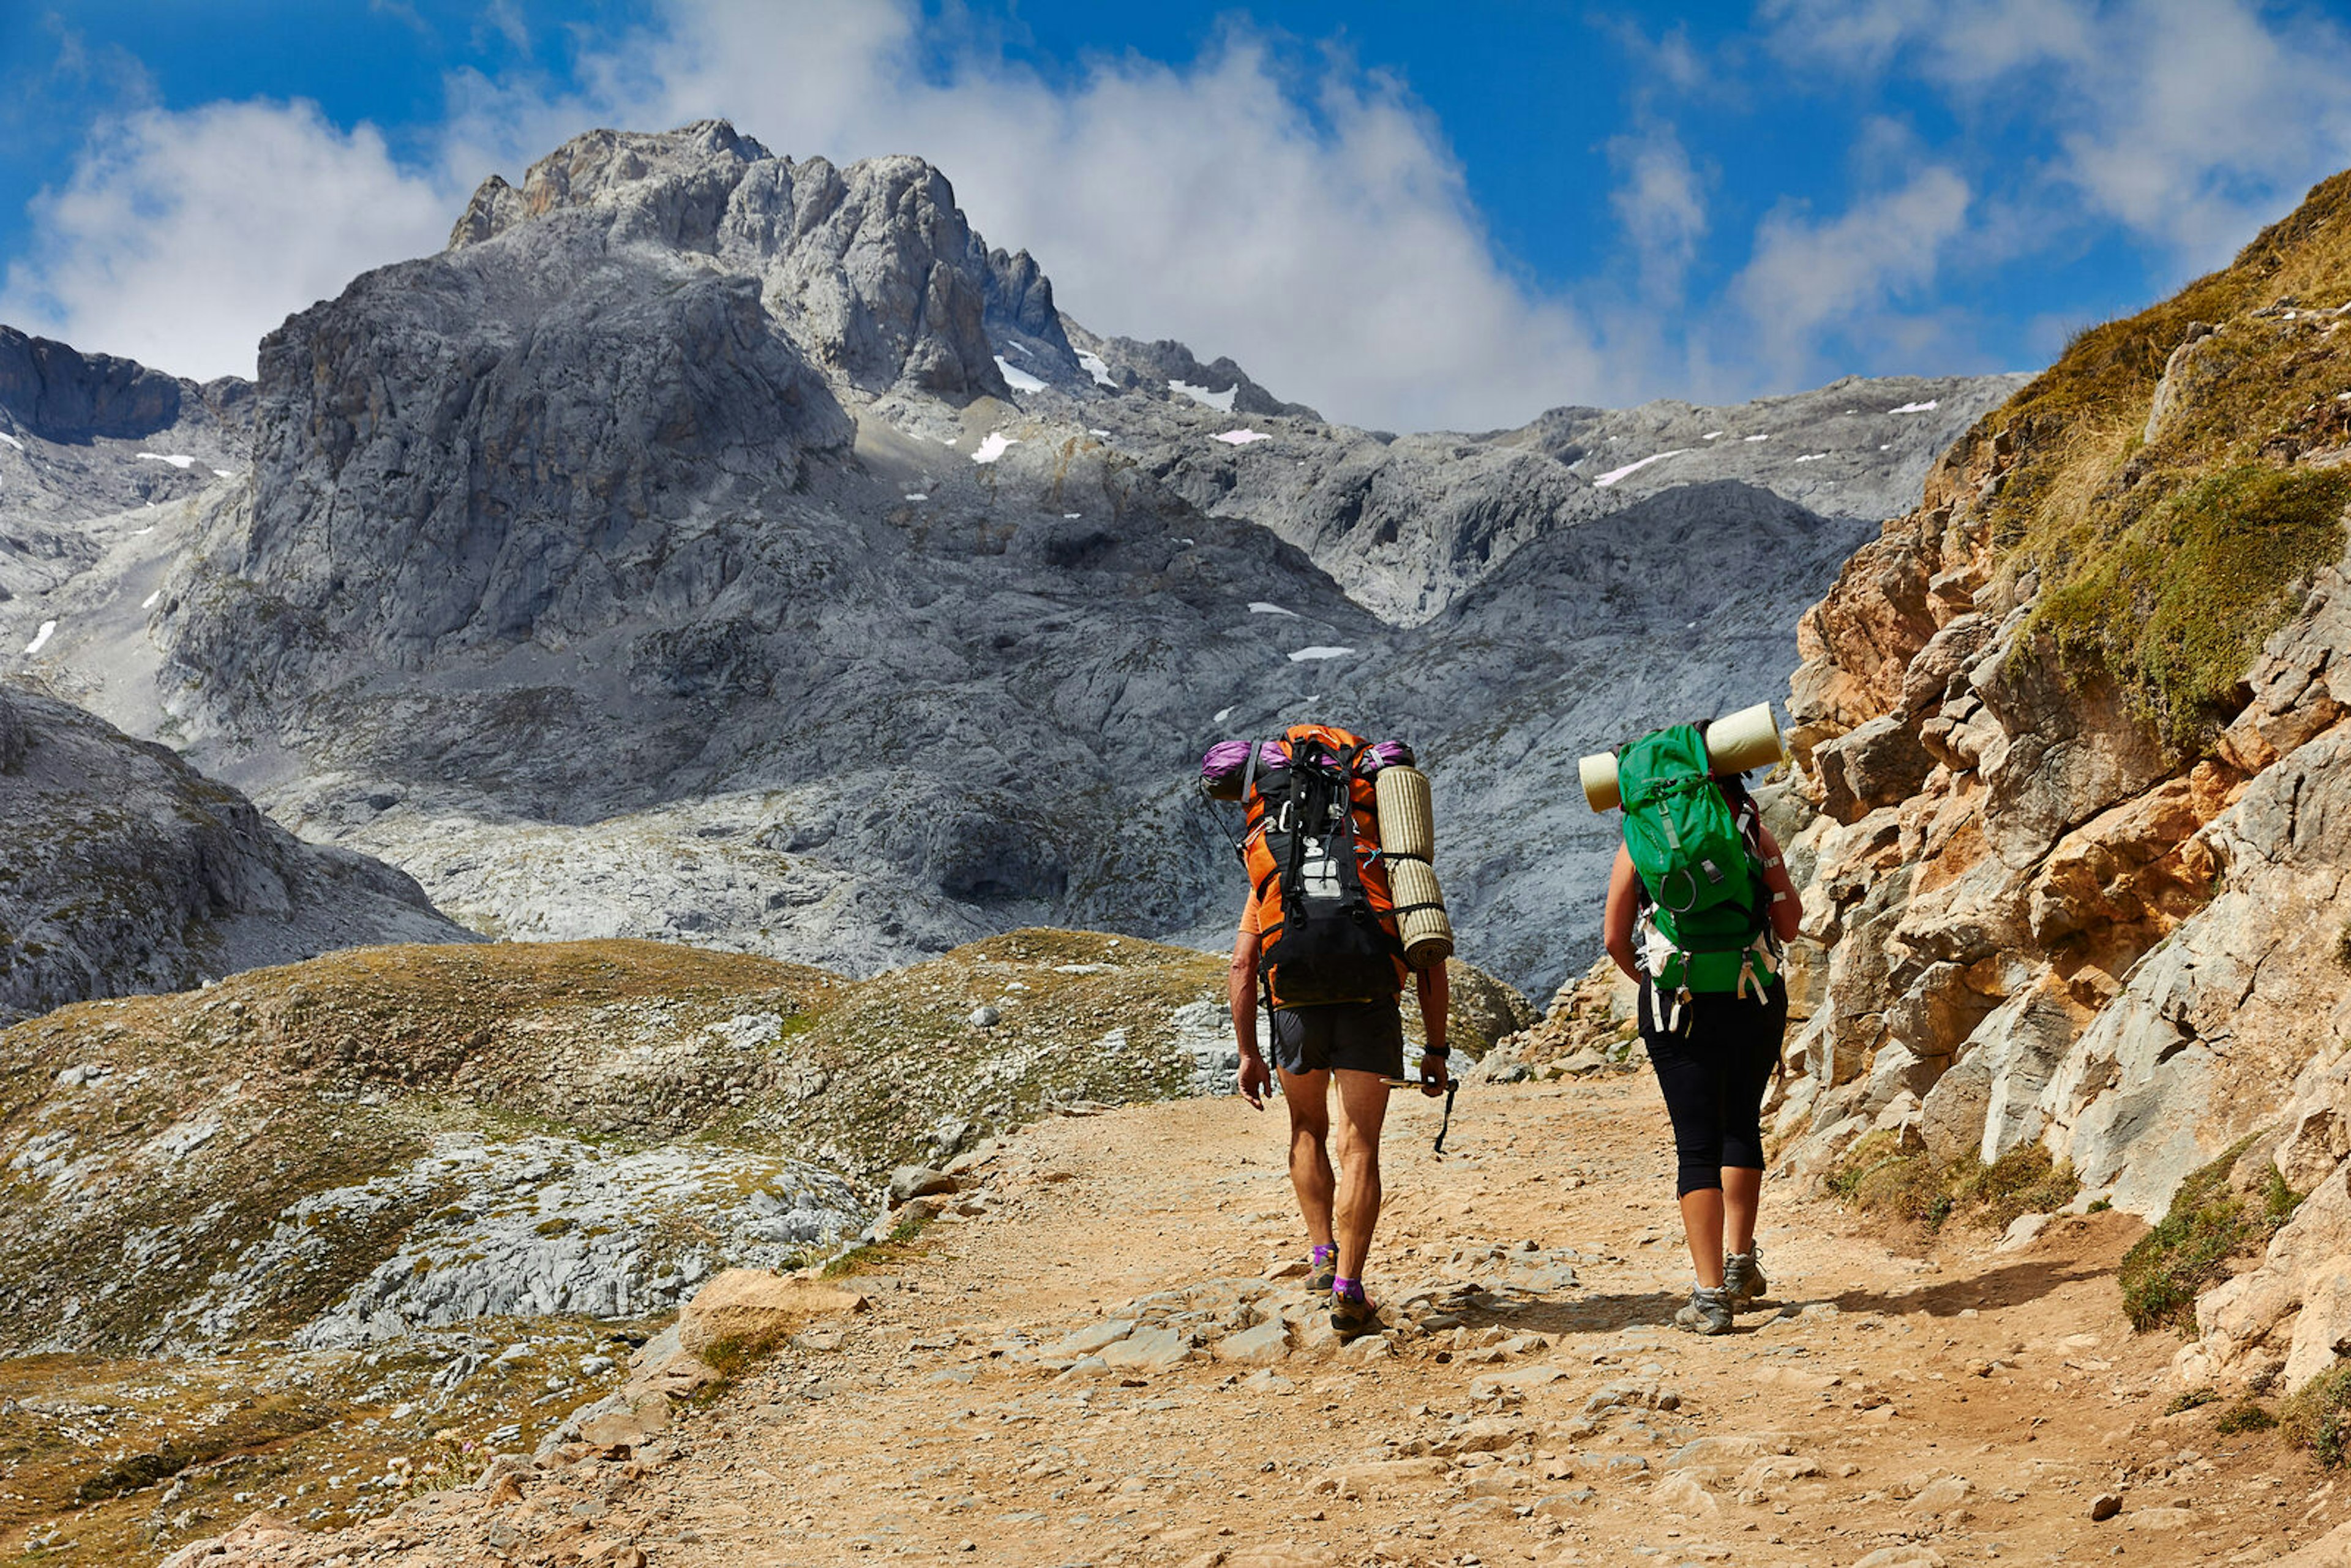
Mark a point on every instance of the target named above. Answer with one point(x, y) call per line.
point(1359, 1045)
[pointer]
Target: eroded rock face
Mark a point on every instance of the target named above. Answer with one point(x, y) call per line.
point(128, 871)
point(871, 269)
point(82, 436)
point(2044, 926)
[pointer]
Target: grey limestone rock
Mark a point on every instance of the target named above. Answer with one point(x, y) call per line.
point(720, 546)
point(82, 436)
point(128, 871)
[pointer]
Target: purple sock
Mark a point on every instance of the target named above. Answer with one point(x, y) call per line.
point(1351, 1289)
point(1322, 1255)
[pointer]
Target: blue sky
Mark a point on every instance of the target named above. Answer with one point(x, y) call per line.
point(1408, 214)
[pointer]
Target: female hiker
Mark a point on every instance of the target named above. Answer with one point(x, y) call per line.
point(1713, 1017)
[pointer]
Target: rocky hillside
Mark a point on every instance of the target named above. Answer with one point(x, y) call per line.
point(2073, 729)
point(408, 1138)
point(128, 871)
point(716, 546)
point(82, 436)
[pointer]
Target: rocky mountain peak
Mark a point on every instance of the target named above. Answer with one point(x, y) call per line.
point(654, 175)
point(872, 267)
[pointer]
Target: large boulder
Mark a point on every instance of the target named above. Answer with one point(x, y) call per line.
point(750, 1306)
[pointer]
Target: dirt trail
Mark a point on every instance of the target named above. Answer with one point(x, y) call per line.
point(1896, 1410)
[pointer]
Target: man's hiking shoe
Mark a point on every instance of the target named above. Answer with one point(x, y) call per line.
point(1742, 1277)
point(1322, 1268)
point(1352, 1317)
point(1708, 1311)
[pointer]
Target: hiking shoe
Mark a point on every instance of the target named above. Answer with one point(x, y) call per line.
point(1352, 1317)
point(1742, 1277)
point(1322, 1268)
point(1708, 1311)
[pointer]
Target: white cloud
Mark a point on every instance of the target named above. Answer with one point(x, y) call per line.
point(2189, 122)
point(1660, 201)
point(1813, 289)
point(1330, 245)
point(1305, 216)
point(183, 237)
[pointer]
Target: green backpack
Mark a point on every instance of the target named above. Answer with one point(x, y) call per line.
point(1706, 890)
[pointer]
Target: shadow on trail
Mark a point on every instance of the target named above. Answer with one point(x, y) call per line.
point(2012, 1286)
point(1612, 1313)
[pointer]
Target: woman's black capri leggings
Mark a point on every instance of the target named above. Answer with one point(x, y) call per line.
point(1714, 1074)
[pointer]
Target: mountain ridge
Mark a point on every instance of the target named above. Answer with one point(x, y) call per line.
point(686, 464)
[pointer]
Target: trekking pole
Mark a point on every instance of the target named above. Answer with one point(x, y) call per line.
point(1452, 1087)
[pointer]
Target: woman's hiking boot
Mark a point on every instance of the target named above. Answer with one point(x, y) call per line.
point(1742, 1277)
point(1352, 1315)
point(1708, 1311)
point(1322, 1268)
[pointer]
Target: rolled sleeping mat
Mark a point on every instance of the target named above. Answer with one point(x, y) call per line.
point(1743, 740)
point(1427, 931)
point(1407, 823)
point(1737, 743)
point(1598, 773)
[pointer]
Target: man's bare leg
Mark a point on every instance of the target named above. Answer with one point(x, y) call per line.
point(1308, 1096)
point(1362, 1109)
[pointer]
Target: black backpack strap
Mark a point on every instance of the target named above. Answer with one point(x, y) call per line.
point(1293, 887)
point(1350, 878)
point(1350, 884)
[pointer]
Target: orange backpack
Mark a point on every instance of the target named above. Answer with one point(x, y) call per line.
point(1326, 921)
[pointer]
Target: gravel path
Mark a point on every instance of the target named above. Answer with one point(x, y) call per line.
point(994, 1405)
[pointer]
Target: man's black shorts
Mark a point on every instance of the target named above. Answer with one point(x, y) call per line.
point(1362, 1037)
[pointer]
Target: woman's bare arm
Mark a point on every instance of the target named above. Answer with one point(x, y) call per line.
point(1787, 904)
point(1616, 924)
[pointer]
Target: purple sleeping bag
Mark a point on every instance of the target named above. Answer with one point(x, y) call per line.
point(1225, 767)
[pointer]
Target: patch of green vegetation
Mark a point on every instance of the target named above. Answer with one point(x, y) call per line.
point(2188, 1251)
point(2247, 1415)
point(2177, 602)
point(2194, 1399)
point(2319, 1418)
point(732, 1356)
point(2136, 541)
point(257, 1423)
point(2278, 1200)
point(2025, 1180)
point(1900, 1185)
point(1880, 1175)
point(902, 1244)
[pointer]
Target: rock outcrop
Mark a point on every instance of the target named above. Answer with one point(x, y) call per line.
point(2073, 733)
point(82, 436)
point(128, 871)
